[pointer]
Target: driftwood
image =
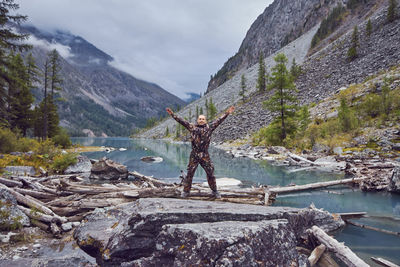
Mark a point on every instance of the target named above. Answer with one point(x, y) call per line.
point(9, 182)
point(325, 260)
point(384, 262)
point(373, 228)
point(339, 249)
point(316, 254)
point(150, 180)
point(34, 193)
point(352, 215)
point(289, 189)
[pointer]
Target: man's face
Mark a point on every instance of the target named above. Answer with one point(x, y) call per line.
point(201, 120)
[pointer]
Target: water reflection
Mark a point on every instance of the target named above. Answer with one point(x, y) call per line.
point(384, 208)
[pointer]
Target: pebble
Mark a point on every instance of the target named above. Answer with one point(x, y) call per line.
point(23, 248)
point(16, 257)
point(37, 245)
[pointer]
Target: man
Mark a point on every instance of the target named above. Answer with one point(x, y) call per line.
point(200, 135)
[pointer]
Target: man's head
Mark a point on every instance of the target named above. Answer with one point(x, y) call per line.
point(201, 120)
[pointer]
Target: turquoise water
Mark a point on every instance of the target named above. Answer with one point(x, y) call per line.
point(384, 208)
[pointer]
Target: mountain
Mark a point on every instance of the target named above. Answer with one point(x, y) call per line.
point(281, 22)
point(192, 97)
point(326, 68)
point(97, 96)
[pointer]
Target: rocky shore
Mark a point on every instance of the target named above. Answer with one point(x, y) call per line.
point(173, 232)
point(382, 172)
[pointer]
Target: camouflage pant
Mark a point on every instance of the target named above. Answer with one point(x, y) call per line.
point(202, 158)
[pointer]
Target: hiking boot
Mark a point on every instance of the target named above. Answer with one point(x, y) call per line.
point(216, 194)
point(184, 194)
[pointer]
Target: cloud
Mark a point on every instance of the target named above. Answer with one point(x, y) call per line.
point(63, 50)
point(177, 44)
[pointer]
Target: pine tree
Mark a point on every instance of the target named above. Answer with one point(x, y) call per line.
point(190, 115)
point(201, 111)
point(212, 109)
point(261, 84)
point(295, 70)
point(368, 28)
point(21, 98)
point(352, 52)
point(391, 12)
point(197, 112)
point(167, 132)
point(55, 68)
point(9, 41)
point(283, 100)
point(243, 88)
point(206, 104)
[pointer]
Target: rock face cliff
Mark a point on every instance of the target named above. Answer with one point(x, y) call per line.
point(98, 96)
point(174, 232)
point(281, 22)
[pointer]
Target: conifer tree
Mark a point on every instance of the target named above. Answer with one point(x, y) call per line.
point(391, 13)
point(206, 104)
point(352, 52)
point(167, 132)
point(295, 70)
point(21, 96)
point(368, 28)
point(243, 88)
point(197, 112)
point(201, 111)
point(9, 41)
point(283, 100)
point(190, 115)
point(261, 84)
point(212, 109)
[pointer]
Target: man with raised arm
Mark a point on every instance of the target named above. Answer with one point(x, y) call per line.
point(200, 135)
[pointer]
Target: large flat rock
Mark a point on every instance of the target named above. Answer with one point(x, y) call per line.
point(174, 232)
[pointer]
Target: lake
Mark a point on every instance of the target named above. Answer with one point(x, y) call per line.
point(383, 208)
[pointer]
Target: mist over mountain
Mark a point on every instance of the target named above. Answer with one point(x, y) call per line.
point(96, 95)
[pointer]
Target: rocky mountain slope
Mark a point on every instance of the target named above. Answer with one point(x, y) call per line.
point(98, 97)
point(282, 22)
point(325, 71)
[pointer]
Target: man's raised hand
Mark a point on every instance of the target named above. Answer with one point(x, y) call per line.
point(231, 110)
point(169, 111)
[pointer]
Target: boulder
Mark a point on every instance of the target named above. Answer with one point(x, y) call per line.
point(109, 170)
point(21, 170)
point(320, 148)
point(394, 182)
point(151, 159)
point(83, 164)
point(10, 216)
point(189, 232)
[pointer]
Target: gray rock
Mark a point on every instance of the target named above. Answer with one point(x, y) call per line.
point(21, 170)
point(394, 183)
point(8, 207)
point(66, 226)
point(320, 148)
point(66, 261)
point(108, 169)
point(396, 146)
point(83, 165)
point(338, 150)
point(168, 230)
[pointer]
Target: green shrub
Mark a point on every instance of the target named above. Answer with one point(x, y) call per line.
point(62, 161)
point(269, 135)
point(8, 141)
point(62, 139)
point(371, 105)
point(47, 149)
point(27, 144)
point(346, 116)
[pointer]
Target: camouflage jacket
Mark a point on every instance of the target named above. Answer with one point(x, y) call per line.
point(200, 135)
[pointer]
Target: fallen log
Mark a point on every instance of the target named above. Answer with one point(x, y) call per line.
point(288, 189)
point(384, 262)
point(69, 211)
point(41, 225)
point(298, 158)
point(152, 180)
point(373, 228)
point(352, 215)
point(339, 249)
point(325, 260)
point(33, 203)
point(37, 216)
point(10, 183)
point(316, 254)
point(35, 194)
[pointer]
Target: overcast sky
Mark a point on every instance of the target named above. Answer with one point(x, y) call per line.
point(177, 44)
